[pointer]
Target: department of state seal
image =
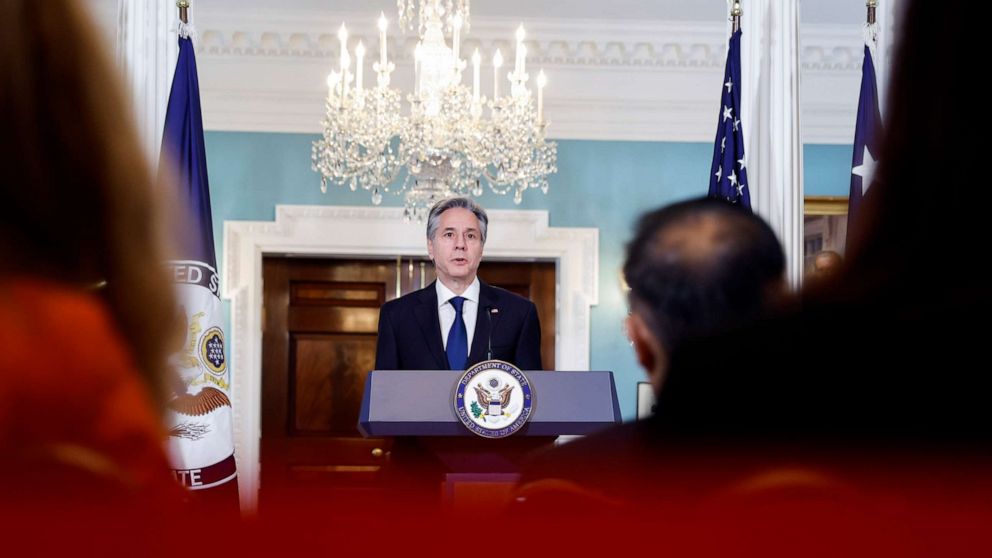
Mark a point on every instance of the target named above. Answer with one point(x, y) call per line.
point(494, 399)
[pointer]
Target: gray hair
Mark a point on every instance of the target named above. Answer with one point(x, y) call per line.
point(434, 217)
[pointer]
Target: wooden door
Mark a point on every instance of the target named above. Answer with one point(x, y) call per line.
point(533, 280)
point(319, 334)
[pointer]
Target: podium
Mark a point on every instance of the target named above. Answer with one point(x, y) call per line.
point(416, 407)
point(421, 403)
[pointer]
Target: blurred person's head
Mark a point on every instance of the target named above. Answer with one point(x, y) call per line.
point(695, 268)
point(827, 261)
point(928, 194)
point(76, 192)
point(826, 264)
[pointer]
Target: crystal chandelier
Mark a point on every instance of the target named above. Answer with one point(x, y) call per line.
point(452, 138)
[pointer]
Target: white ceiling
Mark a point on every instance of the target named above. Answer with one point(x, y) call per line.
point(621, 69)
point(811, 11)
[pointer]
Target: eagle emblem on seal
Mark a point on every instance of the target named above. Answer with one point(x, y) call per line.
point(494, 401)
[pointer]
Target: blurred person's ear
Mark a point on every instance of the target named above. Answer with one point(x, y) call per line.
point(650, 353)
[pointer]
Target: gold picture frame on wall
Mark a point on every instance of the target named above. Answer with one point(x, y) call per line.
point(825, 205)
point(824, 228)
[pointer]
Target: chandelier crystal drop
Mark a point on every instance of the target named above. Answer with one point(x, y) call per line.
point(451, 138)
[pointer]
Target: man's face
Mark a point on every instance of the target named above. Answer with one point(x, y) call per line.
point(456, 247)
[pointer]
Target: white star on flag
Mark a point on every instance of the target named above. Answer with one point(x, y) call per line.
point(723, 144)
point(866, 170)
point(729, 84)
point(727, 112)
point(741, 164)
point(719, 174)
point(737, 123)
point(733, 178)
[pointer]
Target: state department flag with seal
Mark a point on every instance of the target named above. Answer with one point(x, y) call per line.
point(201, 440)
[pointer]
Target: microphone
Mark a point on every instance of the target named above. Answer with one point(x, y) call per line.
point(489, 312)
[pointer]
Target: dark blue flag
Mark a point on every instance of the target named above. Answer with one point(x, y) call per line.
point(728, 174)
point(201, 438)
point(867, 139)
point(184, 154)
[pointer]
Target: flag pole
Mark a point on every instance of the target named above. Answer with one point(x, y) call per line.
point(871, 27)
point(183, 6)
point(735, 16)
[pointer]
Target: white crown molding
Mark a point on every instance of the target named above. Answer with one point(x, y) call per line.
point(831, 48)
point(608, 80)
point(585, 43)
point(371, 232)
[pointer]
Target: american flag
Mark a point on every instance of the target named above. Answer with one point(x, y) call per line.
point(728, 174)
point(867, 134)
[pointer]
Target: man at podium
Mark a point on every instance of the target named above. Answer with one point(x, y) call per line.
point(457, 321)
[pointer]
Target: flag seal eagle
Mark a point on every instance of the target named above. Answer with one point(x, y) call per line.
point(494, 399)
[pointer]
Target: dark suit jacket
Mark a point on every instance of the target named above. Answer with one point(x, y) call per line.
point(410, 331)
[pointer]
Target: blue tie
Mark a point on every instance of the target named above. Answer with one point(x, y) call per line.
point(457, 337)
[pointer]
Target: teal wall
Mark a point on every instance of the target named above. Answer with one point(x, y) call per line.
point(827, 169)
point(598, 184)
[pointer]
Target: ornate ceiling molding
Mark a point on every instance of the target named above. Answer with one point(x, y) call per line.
point(670, 45)
point(572, 43)
point(608, 80)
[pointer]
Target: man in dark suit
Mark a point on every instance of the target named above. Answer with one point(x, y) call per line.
point(457, 321)
point(451, 324)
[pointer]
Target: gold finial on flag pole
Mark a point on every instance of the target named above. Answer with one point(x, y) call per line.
point(735, 16)
point(183, 6)
point(872, 4)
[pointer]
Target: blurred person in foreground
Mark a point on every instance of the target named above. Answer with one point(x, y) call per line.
point(882, 357)
point(863, 416)
point(694, 268)
point(85, 307)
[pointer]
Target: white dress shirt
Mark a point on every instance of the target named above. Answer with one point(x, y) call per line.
point(446, 312)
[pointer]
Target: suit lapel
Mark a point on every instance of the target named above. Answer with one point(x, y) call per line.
point(480, 339)
point(430, 325)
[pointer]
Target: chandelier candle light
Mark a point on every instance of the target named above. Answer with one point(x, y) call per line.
point(451, 140)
